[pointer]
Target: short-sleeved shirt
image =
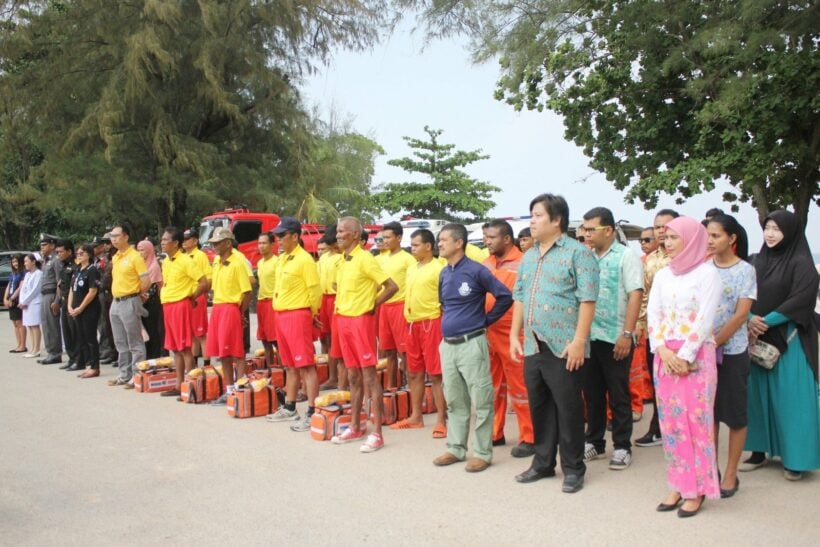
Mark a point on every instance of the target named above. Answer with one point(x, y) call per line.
point(328, 266)
point(738, 281)
point(83, 281)
point(51, 273)
point(463, 289)
point(357, 283)
point(552, 286)
point(395, 265)
point(202, 260)
point(621, 272)
point(128, 268)
point(266, 273)
point(181, 275)
point(230, 279)
point(297, 282)
point(421, 296)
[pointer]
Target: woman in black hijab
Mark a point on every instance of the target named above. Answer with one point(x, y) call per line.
point(784, 411)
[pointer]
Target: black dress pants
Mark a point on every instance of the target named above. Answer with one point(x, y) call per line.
point(557, 412)
point(69, 328)
point(88, 350)
point(604, 375)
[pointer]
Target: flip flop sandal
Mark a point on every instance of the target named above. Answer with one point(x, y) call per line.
point(440, 431)
point(405, 424)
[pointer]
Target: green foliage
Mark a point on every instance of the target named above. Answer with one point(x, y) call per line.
point(665, 96)
point(159, 112)
point(450, 193)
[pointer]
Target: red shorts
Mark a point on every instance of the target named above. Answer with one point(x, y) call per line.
point(265, 320)
point(177, 320)
point(357, 340)
point(392, 326)
point(295, 329)
point(326, 312)
point(225, 327)
point(199, 316)
point(423, 340)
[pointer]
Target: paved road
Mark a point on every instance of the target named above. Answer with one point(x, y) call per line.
point(86, 464)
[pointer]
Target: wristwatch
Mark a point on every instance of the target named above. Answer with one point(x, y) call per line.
point(631, 335)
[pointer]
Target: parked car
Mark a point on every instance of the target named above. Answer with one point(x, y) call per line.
point(5, 270)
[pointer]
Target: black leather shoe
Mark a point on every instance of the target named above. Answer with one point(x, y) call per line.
point(572, 483)
point(107, 361)
point(499, 442)
point(729, 492)
point(522, 450)
point(66, 366)
point(665, 507)
point(683, 513)
point(51, 361)
point(75, 367)
point(532, 475)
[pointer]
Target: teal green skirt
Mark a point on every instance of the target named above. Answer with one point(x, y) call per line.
point(784, 410)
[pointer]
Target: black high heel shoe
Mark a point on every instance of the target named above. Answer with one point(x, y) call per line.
point(666, 507)
point(684, 513)
point(729, 492)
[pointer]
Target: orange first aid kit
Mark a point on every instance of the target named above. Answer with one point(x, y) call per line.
point(249, 403)
point(202, 386)
point(332, 420)
point(277, 376)
point(396, 406)
point(155, 381)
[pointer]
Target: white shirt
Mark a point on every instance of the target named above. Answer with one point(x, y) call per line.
point(683, 307)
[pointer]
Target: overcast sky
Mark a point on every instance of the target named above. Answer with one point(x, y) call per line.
point(396, 89)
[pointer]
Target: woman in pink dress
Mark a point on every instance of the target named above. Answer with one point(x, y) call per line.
point(680, 315)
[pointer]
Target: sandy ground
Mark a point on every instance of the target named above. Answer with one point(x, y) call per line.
point(87, 464)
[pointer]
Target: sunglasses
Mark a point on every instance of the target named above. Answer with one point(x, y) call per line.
point(647, 239)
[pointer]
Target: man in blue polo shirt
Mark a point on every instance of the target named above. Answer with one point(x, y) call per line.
point(555, 295)
point(465, 358)
point(606, 372)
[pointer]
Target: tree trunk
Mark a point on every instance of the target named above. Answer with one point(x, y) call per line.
point(761, 202)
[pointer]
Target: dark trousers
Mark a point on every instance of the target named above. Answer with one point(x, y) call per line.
point(69, 328)
point(107, 349)
point(87, 349)
point(604, 376)
point(557, 412)
point(654, 424)
point(154, 327)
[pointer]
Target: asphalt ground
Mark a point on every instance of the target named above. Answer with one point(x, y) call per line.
point(82, 463)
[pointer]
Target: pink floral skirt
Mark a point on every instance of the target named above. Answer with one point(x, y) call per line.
point(686, 413)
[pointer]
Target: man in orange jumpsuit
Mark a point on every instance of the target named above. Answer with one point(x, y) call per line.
point(508, 375)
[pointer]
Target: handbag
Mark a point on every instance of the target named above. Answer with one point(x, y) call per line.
point(764, 354)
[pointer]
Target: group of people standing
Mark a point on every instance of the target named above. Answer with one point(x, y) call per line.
point(551, 329)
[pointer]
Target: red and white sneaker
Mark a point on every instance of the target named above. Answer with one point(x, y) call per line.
point(347, 436)
point(374, 442)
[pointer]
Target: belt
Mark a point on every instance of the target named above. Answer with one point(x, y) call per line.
point(126, 297)
point(455, 340)
point(48, 291)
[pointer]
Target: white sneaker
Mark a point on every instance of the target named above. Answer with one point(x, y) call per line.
point(590, 452)
point(283, 415)
point(621, 458)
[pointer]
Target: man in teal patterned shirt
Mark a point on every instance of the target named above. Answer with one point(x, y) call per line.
point(555, 296)
point(606, 372)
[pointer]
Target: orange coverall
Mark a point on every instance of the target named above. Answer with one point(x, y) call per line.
point(508, 376)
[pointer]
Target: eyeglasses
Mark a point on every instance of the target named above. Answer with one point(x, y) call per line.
point(647, 239)
point(593, 229)
point(379, 240)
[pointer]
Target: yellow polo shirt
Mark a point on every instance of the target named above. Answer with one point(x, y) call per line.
point(266, 272)
point(395, 265)
point(127, 269)
point(328, 266)
point(202, 261)
point(181, 275)
point(297, 282)
point(230, 280)
point(476, 253)
point(357, 283)
point(421, 300)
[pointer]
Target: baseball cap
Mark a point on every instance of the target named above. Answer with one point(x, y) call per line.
point(221, 234)
point(288, 224)
point(190, 233)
